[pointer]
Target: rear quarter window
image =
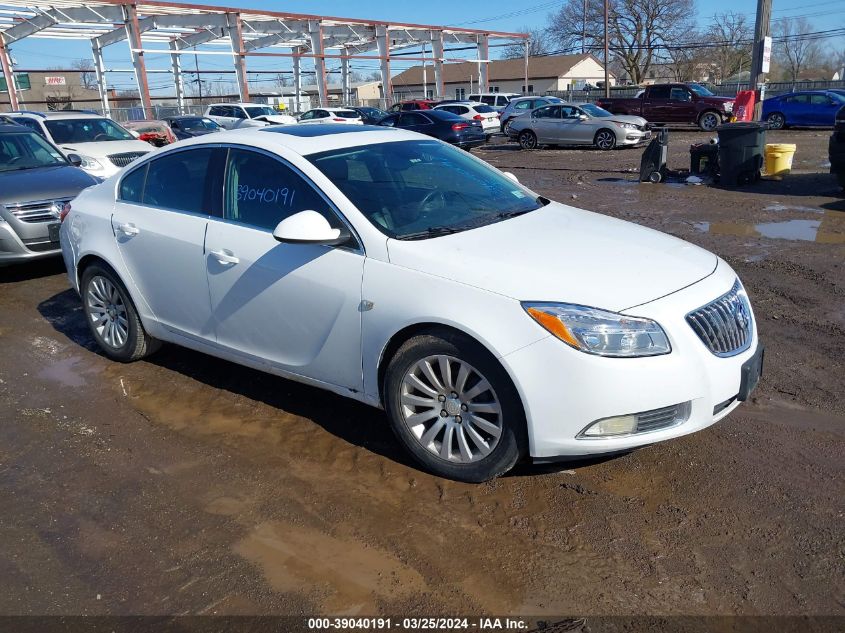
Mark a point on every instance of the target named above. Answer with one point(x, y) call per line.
point(132, 185)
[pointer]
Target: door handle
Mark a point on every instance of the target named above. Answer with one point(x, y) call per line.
point(128, 229)
point(225, 257)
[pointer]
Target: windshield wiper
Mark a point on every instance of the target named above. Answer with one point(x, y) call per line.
point(433, 231)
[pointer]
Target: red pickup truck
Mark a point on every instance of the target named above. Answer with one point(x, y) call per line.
point(674, 103)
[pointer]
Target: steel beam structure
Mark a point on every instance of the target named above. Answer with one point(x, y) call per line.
point(437, 55)
point(178, 79)
point(345, 87)
point(383, 43)
point(9, 76)
point(235, 31)
point(99, 69)
point(133, 34)
point(316, 32)
point(483, 63)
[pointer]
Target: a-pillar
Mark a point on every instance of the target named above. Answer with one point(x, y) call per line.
point(483, 63)
point(133, 34)
point(100, 72)
point(315, 30)
point(9, 76)
point(437, 50)
point(383, 43)
point(235, 29)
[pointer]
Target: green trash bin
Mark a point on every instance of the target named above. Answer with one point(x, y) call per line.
point(741, 150)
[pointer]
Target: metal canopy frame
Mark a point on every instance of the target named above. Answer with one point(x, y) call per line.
point(180, 28)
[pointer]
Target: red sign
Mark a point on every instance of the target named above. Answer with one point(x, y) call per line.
point(744, 105)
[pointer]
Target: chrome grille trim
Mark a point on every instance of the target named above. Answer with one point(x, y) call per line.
point(725, 325)
point(37, 211)
point(122, 160)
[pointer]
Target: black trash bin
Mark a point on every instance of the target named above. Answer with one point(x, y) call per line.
point(653, 162)
point(704, 159)
point(741, 149)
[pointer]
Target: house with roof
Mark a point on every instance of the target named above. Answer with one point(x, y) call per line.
point(546, 73)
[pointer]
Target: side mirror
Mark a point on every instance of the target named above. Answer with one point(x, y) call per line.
point(511, 176)
point(582, 117)
point(309, 227)
point(74, 159)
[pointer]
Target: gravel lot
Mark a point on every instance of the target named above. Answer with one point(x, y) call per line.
point(185, 484)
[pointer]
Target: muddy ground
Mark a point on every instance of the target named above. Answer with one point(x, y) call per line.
point(185, 484)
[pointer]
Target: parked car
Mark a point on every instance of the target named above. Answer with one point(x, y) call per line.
point(578, 124)
point(809, 108)
point(188, 126)
point(36, 180)
point(241, 115)
point(156, 133)
point(103, 146)
point(441, 125)
point(674, 103)
point(346, 116)
point(522, 105)
point(413, 104)
point(836, 148)
point(396, 270)
point(497, 100)
point(473, 111)
point(370, 116)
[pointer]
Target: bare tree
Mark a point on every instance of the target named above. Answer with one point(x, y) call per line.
point(88, 78)
point(796, 50)
point(685, 60)
point(638, 29)
point(539, 44)
point(731, 33)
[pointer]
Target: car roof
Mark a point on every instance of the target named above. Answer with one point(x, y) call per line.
point(239, 103)
point(332, 108)
point(184, 116)
point(59, 114)
point(14, 128)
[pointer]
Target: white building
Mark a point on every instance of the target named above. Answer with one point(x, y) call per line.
point(545, 74)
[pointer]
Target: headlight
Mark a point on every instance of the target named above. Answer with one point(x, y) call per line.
point(600, 332)
point(729, 106)
point(628, 126)
point(90, 163)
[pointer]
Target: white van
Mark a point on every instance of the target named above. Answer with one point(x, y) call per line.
point(496, 100)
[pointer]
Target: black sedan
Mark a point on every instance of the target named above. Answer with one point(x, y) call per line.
point(370, 116)
point(191, 126)
point(440, 124)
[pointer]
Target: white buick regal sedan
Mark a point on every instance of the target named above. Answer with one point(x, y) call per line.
point(490, 323)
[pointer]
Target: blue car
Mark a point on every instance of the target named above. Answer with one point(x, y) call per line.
point(811, 107)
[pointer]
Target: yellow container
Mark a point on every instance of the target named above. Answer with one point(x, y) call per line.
point(779, 158)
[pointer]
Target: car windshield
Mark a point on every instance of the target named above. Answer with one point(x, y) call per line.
point(27, 151)
point(86, 131)
point(420, 189)
point(197, 124)
point(256, 111)
point(594, 110)
point(374, 113)
point(347, 114)
point(483, 109)
point(701, 91)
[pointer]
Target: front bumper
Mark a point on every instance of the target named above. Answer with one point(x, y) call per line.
point(564, 390)
point(633, 137)
point(14, 251)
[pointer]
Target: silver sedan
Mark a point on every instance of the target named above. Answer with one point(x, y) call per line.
point(577, 124)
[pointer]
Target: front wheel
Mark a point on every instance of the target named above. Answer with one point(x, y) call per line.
point(776, 121)
point(709, 121)
point(112, 317)
point(455, 409)
point(527, 139)
point(605, 140)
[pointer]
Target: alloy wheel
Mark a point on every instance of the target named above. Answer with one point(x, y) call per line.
point(605, 140)
point(776, 121)
point(107, 312)
point(528, 140)
point(451, 409)
point(710, 121)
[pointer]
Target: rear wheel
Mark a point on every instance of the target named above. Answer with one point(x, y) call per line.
point(112, 317)
point(527, 139)
point(605, 140)
point(454, 407)
point(776, 121)
point(709, 121)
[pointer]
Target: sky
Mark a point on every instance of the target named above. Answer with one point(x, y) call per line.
point(482, 14)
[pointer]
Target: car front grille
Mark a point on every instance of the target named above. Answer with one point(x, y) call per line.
point(662, 418)
point(40, 211)
point(122, 160)
point(725, 325)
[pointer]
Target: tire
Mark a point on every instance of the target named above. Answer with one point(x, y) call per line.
point(605, 140)
point(776, 121)
point(104, 300)
point(709, 121)
point(527, 140)
point(655, 177)
point(440, 430)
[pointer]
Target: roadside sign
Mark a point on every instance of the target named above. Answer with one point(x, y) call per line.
point(767, 54)
point(55, 81)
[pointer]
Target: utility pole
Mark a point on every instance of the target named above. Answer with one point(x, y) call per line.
point(761, 54)
point(584, 30)
point(607, 51)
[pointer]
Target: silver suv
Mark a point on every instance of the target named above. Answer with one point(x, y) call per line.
point(36, 181)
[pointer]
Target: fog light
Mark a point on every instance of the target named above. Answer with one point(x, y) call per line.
point(618, 425)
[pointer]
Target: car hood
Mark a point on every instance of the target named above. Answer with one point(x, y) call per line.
point(718, 100)
point(102, 149)
point(44, 183)
point(283, 119)
point(559, 253)
point(626, 118)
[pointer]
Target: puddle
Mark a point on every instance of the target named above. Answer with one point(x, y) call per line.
point(787, 207)
point(64, 372)
point(821, 231)
point(618, 181)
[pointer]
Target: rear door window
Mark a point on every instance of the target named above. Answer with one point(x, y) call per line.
point(659, 92)
point(177, 181)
